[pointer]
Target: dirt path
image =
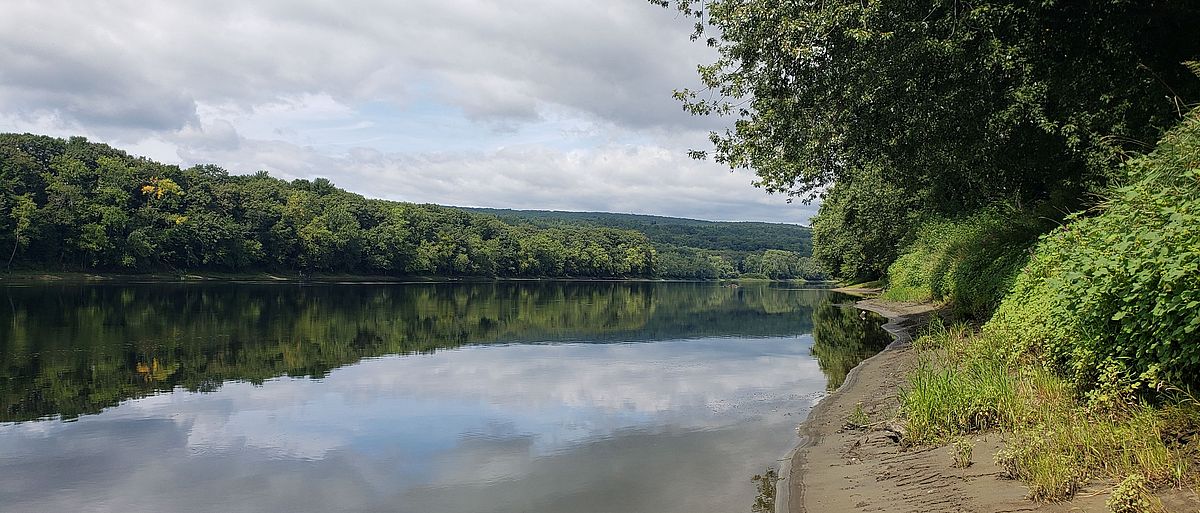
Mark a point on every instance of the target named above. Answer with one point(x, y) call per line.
point(840, 469)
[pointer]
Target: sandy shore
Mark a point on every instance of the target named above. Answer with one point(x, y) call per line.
point(838, 468)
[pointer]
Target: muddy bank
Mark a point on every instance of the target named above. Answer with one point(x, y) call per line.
point(840, 468)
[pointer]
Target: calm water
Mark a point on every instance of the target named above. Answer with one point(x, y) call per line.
point(509, 397)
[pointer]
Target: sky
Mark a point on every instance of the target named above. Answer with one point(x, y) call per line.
point(528, 104)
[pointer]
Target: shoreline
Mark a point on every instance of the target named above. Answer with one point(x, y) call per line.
point(836, 468)
point(902, 323)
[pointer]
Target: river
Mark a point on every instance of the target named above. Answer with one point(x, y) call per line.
point(619, 397)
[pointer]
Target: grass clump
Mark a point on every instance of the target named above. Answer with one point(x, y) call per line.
point(964, 383)
point(858, 419)
point(956, 389)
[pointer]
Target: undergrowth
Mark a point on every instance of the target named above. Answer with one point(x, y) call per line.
point(1113, 300)
point(968, 262)
point(965, 384)
point(1087, 362)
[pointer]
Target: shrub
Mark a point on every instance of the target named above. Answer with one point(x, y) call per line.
point(1113, 300)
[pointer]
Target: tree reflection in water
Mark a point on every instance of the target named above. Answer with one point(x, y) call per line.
point(843, 337)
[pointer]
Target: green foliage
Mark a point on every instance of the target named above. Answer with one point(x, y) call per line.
point(698, 250)
point(78, 205)
point(1133, 496)
point(960, 385)
point(858, 418)
point(1113, 299)
point(896, 111)
point(961, 451)
point(969, 262)
point(942, 401)
point(969, 382)
point(863, 222)
point(1065, 446)
point(738, 237)
point(965, 104)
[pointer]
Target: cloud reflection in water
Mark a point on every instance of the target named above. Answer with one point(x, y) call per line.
point(664, 426)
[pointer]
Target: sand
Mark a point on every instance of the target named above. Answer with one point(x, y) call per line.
point(837, 468)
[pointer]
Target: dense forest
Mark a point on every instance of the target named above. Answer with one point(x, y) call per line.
point(75, 349)
point(743, 237)
point(1031, 165)
point(694, 249)
point(76, 205)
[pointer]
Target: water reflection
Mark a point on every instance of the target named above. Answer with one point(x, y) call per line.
point(843, 337)
point(74, 350)
point(666, 426)
point(333, 398)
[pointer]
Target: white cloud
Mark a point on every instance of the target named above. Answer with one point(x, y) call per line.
point(527, 103)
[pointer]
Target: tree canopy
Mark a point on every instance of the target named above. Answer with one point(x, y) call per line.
point(952, 106)
point(76, 205)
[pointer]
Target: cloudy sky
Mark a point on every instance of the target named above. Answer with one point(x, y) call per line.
point(542, 104)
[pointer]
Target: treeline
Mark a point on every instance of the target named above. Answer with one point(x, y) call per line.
point(76, 205)
point(741, 237)
point(692, 263)
point(691, 249)
point(72, 204)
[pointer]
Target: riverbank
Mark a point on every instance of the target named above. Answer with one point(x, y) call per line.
point(850, 458)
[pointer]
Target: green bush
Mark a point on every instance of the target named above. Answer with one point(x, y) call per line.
point(969, 262)
point(1113, 299)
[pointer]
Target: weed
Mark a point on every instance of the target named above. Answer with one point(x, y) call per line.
point(1006, 459)
point(961, 452)
point(1133, 495)
point(858, 419)
point(964, 384)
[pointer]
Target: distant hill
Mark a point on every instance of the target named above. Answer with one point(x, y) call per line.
point(676, 231)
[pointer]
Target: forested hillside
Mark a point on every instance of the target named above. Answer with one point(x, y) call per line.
point(76, 205)
point(695, 249)
point(735, 236)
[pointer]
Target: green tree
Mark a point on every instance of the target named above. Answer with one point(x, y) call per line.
point(22, 216)
point(952, 106)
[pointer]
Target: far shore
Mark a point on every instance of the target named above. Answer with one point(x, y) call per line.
point(29, 276)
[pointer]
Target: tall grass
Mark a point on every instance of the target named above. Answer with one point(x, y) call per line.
point(965, 383)
point(954, 391)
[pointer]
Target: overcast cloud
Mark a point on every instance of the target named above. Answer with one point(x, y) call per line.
point(547, 104)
